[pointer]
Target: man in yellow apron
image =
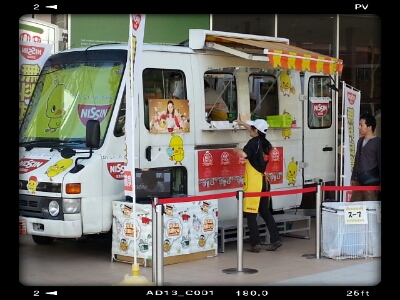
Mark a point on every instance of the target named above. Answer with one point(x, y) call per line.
point(255, 180)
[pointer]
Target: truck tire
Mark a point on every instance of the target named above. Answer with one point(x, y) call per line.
point(42, 240)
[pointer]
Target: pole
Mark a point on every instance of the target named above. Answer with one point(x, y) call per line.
point(154, 240)
point(318, 221)
point(239, 197)
point(160, 252)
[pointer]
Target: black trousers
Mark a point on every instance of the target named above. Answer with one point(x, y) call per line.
point(266, 214)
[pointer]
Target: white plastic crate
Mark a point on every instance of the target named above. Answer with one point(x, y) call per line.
point(343, 241)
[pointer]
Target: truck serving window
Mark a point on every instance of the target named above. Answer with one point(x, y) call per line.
point(319, 102)
point(161, 84)
point(263, 96)
point(220, 95)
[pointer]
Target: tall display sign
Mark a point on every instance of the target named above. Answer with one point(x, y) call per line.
point(133, 85)
point(31, 59)
point(351, 115)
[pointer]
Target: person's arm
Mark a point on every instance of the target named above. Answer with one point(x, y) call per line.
point(244, 124)
point(240, 152)
point(378, 153)
point(353, 172)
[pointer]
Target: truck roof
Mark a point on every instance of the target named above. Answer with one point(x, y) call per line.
point(146, 47)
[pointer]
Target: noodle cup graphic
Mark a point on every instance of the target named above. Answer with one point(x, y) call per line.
point(169, 210)
point(126, 210)
point(174, 228)
point(129, 227)
point(205, 207)
point(208, 224)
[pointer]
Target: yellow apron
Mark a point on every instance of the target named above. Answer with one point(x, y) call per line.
point(252, 183)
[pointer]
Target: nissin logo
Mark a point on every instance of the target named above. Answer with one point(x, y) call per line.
point(92, 112)
point(116, 170)
point(31, 52)
point(28, 164)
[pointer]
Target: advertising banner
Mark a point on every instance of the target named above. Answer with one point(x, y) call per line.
point(136, 33)
point(351, 105)
point(189, 227)
point(31, 59)
point(224, 169)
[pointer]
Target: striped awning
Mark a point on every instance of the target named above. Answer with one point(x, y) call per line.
point(276, 50)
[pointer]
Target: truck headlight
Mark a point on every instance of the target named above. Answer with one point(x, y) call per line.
point(54, 208)
point(71, 206)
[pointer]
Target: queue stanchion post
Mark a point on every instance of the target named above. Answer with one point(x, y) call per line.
point(160, 250)
point(318, 201)
point(154, 244)
point(240, 269)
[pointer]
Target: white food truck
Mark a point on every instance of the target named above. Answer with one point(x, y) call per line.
point(71, 142)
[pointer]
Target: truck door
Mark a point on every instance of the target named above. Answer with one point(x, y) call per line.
point(318, 129)
point(165, 132)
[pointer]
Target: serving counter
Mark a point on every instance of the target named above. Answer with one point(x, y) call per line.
point(190, 231)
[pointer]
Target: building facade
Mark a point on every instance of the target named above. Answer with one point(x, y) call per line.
point(356, 39)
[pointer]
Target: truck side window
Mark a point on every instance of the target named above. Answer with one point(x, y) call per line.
point(161, 84)
point(263, 95)
point(319, 102)
point(220, 95)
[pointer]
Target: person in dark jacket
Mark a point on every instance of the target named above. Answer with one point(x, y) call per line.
point(256, 180)
point(367, 163)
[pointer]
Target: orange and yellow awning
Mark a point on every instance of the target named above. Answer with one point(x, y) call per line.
point(275, 50)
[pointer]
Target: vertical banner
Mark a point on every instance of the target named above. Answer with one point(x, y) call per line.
point(351, 101)
point(32, 57)
point(133, 85)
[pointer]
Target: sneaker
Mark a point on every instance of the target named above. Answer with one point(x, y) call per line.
point(274, 246)
point(255, 249)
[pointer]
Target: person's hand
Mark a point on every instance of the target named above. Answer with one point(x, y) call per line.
point(353, 182)
point(239, 122)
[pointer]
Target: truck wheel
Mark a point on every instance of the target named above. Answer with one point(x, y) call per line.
point(42, 240)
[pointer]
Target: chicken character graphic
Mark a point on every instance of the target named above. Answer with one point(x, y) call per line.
point(286, 84)
point(58, 167)
point(32, 184)
point(54, 107)
point(287, 132)
point(291, 173)
point(175, 150)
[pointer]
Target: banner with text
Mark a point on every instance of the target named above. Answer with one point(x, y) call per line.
point(32, 57)
point(351, 101)
point(133, 85)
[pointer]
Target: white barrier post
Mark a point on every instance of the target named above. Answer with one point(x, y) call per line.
point(318, 201)
point(160, 248)
point(154, 240)
point(318, 220)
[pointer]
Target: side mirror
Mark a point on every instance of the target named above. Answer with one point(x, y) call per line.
point(93, 134)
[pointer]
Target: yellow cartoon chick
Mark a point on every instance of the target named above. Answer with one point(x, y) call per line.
point(54, 108)
point(175, 150)
point(32, 184)
point(286, 84)
point(291, 173)
point(58, 167)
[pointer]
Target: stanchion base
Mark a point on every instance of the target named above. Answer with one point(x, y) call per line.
point(309, 255)
point(235, 271)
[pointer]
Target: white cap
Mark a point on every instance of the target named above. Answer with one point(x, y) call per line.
point(260, 124)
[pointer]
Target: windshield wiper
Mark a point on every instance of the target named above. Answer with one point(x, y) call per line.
point(49, 143)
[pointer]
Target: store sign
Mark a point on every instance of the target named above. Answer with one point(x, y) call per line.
point(355, 214)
